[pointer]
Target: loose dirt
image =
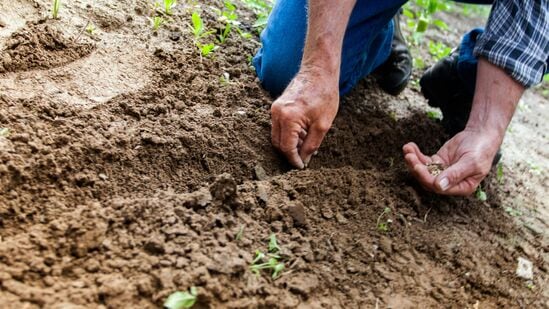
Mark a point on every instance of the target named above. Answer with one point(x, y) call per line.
point(130, 168)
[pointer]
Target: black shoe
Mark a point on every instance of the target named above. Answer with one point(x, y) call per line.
point(394, 74)
point(443, 88)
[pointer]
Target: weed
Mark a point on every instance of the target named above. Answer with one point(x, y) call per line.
point(4, 132)
point(181, 300)
point(157, 22)
point(480, 194)
point(222, 37)
point(169, 5)
point(55, 9)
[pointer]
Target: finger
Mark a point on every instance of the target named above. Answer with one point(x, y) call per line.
point(289, 138)
point(465, 188)
point(411, 160)
point(457, 173)
point(424, 177)
point(413, 148)
point(275, 132)
point(302, 134)
point(312, 142)
point(299, 143)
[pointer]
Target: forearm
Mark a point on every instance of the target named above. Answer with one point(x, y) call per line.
point(327, 22)
point(496, 98)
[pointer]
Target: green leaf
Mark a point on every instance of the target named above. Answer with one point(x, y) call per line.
point(499, 173)
point(207, 49)
point(435, 115)
point(422, 24)
point(408, 13)
point(181, 300)
point(440, 24)
point(198, 25)
point(481, 195)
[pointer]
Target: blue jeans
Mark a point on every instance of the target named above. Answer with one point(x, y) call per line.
point(366, 45)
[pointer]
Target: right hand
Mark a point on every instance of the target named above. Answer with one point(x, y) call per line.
point(303, 114)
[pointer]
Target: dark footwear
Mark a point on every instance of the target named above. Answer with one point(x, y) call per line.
point(443, 88)
point(394, 74)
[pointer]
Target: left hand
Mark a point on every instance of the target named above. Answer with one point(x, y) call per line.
point(467, 157)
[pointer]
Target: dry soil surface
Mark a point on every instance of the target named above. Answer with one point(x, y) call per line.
point(130, 170)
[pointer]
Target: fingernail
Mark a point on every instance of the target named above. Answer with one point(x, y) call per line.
point(307, 160)
point(443, 184)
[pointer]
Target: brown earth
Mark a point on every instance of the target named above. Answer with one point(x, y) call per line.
point(129, 168)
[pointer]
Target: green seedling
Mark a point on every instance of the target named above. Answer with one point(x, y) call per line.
point(499, 173)
point(438, 50)
point(181, 300)
point(206, 49)
point(273, 244)
point(435, 115)
point(157, 22)
point(4, 132)
point(55, 9)
point(481, 195)
point(272, 264)
point(225, 79)
point(513, 212)
point(383, 226)
point(169, 5)
point(261, 9)
point(197, 27)
point(90, 29)
point(240, 233)
point(222, 37)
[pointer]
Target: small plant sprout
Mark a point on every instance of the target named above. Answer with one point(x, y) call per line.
point(90, 29)
point(4, 132)
point(273, 244)
point(197, 26)
point(480, 194)
point(273, 263)
point(513, 212)
point(56, 5)
point(181, 300)
point(157, 22)
point(239, 234)
point(435, 115)
point(225, 78)
point(169, 5)
point(499, 173)
point(206, 49)
point(383, 226)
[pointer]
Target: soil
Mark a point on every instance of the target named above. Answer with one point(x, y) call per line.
point(129, 169)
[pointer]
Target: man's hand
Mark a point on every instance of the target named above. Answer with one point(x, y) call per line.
point(468, 156)
point(303, 114)
point(305, 111)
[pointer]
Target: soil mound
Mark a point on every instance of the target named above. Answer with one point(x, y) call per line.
point(40, 46)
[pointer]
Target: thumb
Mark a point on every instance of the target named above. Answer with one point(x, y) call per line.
point(455, 174)
point(312, 141)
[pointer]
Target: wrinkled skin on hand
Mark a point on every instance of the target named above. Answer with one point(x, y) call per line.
point(468, 157)
point(304, 113)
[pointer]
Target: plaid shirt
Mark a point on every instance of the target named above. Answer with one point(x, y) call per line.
point(517, 39)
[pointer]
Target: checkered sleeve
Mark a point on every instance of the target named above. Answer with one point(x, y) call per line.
point(517, 39)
